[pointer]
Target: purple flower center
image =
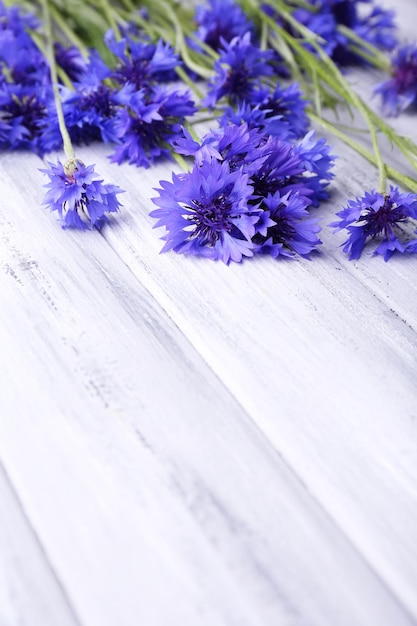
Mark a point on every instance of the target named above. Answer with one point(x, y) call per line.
point(237, 82)
point(406, 75)
point(212, 218)
point(99, 99)
point(28, 108)
point(383, 218)
point(345, 13)
point(135, 71)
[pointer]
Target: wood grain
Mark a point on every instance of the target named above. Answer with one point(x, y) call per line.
point(29, 591)
point(189, 443)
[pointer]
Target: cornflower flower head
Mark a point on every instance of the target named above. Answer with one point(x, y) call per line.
point(147, 123)
point(237, 71)
point(376, 27)
point(236, 143)
point(285, 228)
point(400, 91)
point(221, 20)
point(284, 166)
point(89, 109)
point(12, 19)
point(21, 61)
point(89, 114)
point(81, 200)
point(23, 111)
point(141, 63)
point(379, 217)
point(71, 61)
point(206, 212)
point(278, 169)
point(317, 162)
point(323, 24)
point(286, 103)
point(255, 117)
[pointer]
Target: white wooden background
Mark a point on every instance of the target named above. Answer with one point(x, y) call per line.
point(188, 444)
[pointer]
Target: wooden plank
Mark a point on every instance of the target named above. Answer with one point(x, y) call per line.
point(140, 473)
point(322, 360)
point(29, 591)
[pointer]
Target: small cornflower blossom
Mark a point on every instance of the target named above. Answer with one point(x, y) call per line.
point(375, 26)
point(221, 20)
point(285, 228)
point(400, 91)
point(23, 110)
point(148, 122)
point(380, 217)
point(236, 143)
point(284, 166)
point(20, 59)
point(142, 63)
point(255, 117)
point(89, 113)
point(238, 70)
point(206, 212)
point(317, 162)
point(81, 200)
point(287, 103)
point(71, 61)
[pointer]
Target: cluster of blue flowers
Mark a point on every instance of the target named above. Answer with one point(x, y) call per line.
point(372, 24)
point(249, 191)
point(256, 179)
point(400, 90)
point(129, 105)
point(222, 20)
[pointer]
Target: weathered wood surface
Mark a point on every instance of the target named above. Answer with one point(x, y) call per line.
point(187, 443)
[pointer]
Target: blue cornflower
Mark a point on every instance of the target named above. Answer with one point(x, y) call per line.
point(400, 91)
point(317, 162)
point(238, 70)
point(89, 110)
point(238, 144)
point(23, 110)
point(323, 24)
point(381, 217)
point(89, 114)
point(141, 63)
point(11, 18)
point(278, 169)
point(284, 166)
point(255, 117)
point(375, 26)
point(206, 212)
point(285, 228)
point(20, 60)
point(147, 123)
point(287, 103)
point(219, 21)
point(71, 61)
point(378, 28)
point(81, 200)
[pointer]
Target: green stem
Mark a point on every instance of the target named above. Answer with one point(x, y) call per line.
point(108, 13)
point(324, 67)
point(67, 31)
point(63, 76)
point(363, 48)
point(68, 148)
point(187, 80)
point(380, 163)
point(180, 160)
point(180, 43)
point(402, 179)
